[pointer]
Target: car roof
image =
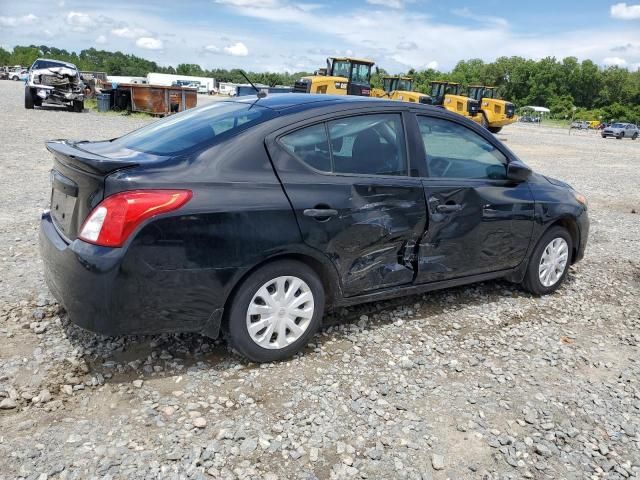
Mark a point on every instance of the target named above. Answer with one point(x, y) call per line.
point(62, 62)
point(307, 101)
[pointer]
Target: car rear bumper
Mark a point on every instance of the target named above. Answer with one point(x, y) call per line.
point(107, 291)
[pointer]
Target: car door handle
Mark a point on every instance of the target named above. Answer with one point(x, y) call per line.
point(449, 208)
point(320, 212)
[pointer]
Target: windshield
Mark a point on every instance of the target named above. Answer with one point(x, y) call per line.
point(618, 125)
point(199, 127)
point(39, 64)
point(360, 73)
point(387, 84)
point(341, 68)
point(405, 85)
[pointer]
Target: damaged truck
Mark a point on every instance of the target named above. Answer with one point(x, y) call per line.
point(56, 82)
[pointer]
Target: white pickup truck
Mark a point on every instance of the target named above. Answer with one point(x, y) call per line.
point(54, 81)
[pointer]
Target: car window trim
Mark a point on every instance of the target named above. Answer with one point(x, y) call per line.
point(509, 157)
point(325, 119)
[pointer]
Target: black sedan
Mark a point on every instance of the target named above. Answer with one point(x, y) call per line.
point(251, 217)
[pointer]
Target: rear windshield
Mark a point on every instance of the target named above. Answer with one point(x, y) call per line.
point(193, 129)
point(38, 64)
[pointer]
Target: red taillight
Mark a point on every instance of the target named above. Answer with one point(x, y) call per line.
point(117, 216)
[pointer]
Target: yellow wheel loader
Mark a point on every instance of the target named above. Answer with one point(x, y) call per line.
point(495, 113)
point(343, 76)
point(399, 88)
point(449, 95)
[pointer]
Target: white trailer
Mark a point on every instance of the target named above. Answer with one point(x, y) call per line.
point(125, 79)
point(169, 79)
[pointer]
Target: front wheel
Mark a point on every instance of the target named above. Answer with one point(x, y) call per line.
point(635, 135)
point(549, 263)
point(78, 106)
point(483, 120)
point(275, 311)
point(28, 99)
point(495, 129)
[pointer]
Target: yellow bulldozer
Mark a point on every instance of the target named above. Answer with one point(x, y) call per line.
point(449, 96)
point(343, 76)
point(399, 88)
point(495, 113)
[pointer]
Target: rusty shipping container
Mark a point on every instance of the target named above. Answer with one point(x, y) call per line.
point(159, 99)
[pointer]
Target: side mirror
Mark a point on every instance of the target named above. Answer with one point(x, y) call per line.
point(518, 171)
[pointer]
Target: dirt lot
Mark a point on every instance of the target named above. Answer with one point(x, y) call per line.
point(477, 382)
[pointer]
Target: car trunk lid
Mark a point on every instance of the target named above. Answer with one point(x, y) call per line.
point(77, 182)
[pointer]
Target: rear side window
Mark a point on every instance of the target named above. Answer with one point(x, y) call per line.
point(193, 129)
point(364, 144)
point(310, 145)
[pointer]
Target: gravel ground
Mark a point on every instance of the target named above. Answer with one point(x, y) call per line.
point(476, 382)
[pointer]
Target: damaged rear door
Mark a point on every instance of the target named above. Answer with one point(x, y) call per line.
point(348, 182)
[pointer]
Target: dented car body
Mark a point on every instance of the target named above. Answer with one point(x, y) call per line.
point(55, 82)
point(292, 176)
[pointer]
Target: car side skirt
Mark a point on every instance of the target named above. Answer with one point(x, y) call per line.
point(512, 275)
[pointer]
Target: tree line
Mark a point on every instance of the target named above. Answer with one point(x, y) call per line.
point(567, 87)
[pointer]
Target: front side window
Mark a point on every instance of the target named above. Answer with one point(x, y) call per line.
point(364, 144)
point(454, 151)
point(361, 73)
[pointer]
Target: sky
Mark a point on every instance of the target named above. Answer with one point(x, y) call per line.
point(297, 35)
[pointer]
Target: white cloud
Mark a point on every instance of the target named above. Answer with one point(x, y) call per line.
point(238, 49)
point(467, 13)
point(622, 11)
point(79, 22)
point(407, 46)
point(433, 65)
point(29, 19)
point(614, 61)
point(212, 49)
point(251, 3)
point(101, 40)
point(386, 3)
point(150, 43)
point(127, 32)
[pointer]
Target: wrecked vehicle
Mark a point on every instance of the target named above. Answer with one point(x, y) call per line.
point(56, 82)
point(249, 216)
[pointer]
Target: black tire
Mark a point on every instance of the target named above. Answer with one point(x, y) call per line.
point(28, 99)
point(531, 280)
point(635, 135)
point(495, 129)
point(604, 136)
point(236, 328)
point(619, 137)
point(78, 106)
point(483, 120)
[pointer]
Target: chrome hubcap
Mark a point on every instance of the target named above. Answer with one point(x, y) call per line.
point(553, 262)
point(280, 312)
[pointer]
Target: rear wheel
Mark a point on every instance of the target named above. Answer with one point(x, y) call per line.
point(275, 311)
point(483, 120)
point(28, 99)
point(495, 129)
point(78, 106)
point(549, 263)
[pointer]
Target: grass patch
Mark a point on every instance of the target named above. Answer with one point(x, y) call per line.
point(91, 104)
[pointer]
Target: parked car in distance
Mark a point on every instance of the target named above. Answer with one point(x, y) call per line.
point(202, 88)
point(621, 130)
point(18, 75)
point(55, 82)
point(580, 125)
point(252, 216)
